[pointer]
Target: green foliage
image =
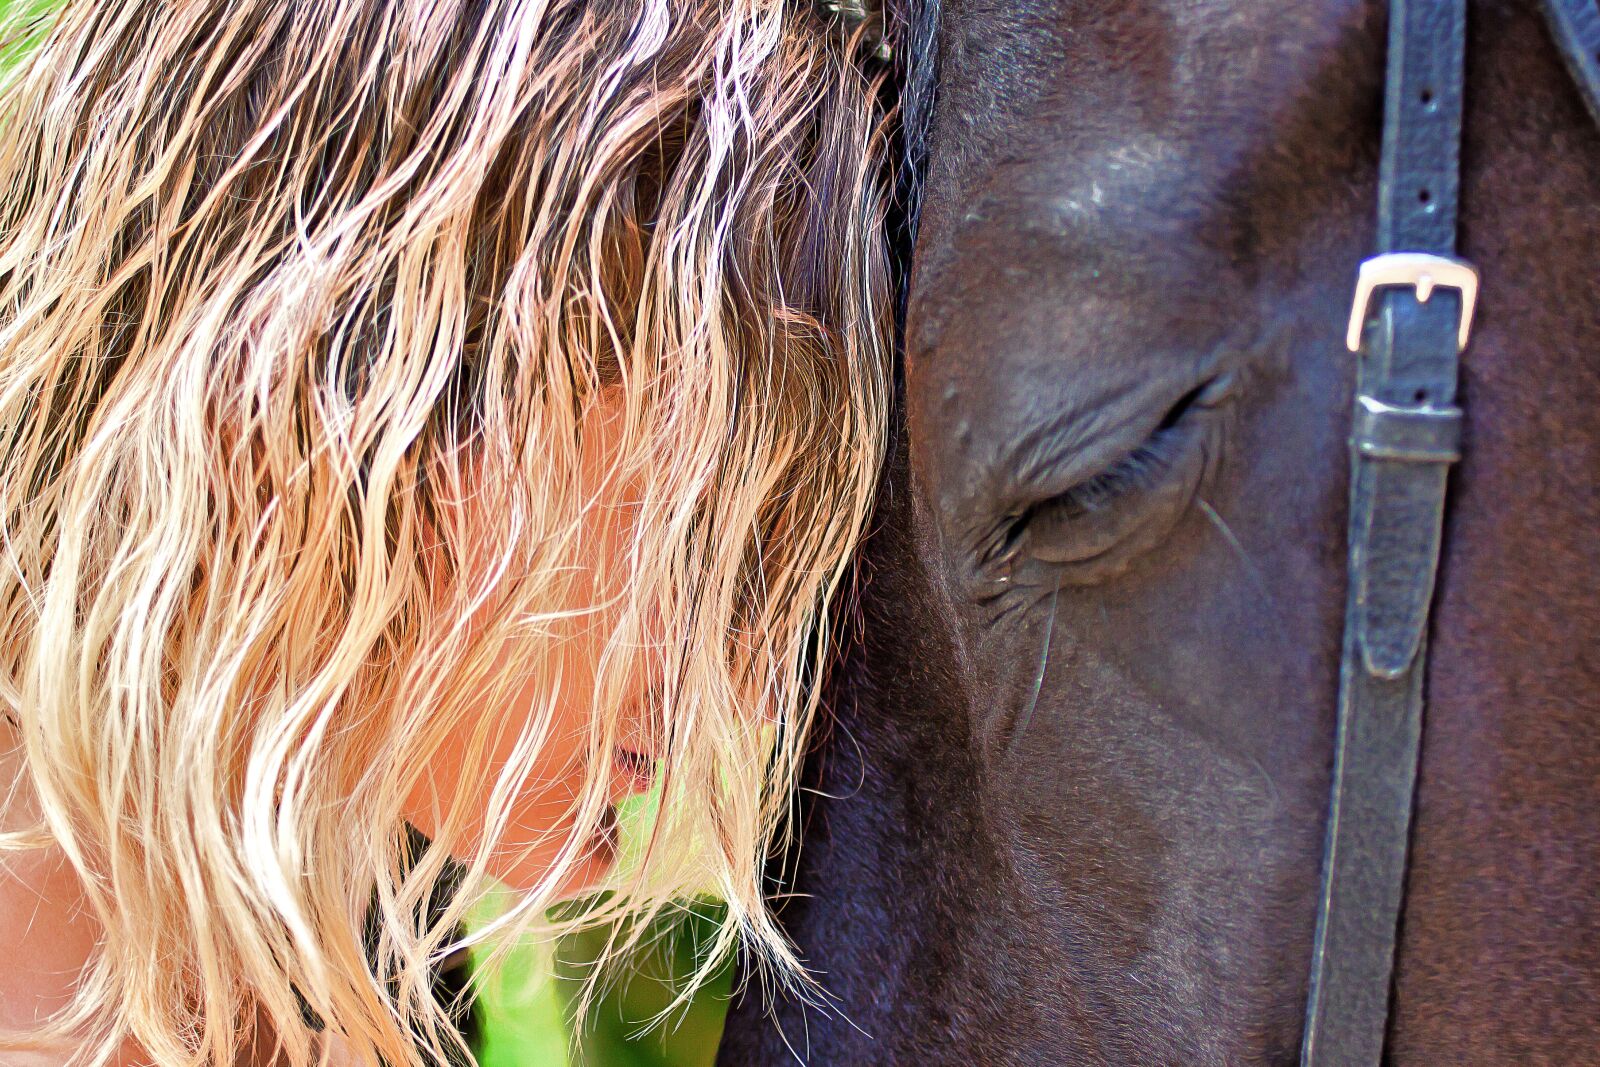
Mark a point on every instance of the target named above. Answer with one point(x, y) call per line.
point(23, 25)
point(635, 1025)
point(527, 1002)
point(522, 1016)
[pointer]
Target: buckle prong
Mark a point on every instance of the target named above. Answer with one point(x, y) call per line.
point(1421, 271)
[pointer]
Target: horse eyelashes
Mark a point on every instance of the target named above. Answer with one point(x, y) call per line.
point(1093, 528)
point(1140, 469)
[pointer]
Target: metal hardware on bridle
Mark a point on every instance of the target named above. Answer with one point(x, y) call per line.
point(1405, 434)
point(852, 16)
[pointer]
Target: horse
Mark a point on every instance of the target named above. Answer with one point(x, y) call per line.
point(1072, 801)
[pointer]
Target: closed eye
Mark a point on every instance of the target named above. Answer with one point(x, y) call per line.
point(1093, 516)
point(1137, 470)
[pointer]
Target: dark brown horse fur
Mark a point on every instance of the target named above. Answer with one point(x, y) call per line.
point(1071, 808)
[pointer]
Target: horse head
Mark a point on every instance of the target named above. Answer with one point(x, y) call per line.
point(1073, 802)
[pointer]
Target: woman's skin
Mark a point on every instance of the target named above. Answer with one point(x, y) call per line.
point(542, 817)
point(44, 922)
point(49, 932)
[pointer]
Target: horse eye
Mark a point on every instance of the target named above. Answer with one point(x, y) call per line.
point(1094, 528)
point(1141, 467)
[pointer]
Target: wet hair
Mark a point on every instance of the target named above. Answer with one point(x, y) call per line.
point(284, 281)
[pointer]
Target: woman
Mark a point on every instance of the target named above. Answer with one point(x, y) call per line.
point(415, 415)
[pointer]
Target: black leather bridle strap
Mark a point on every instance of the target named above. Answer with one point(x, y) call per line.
point(1575, 24)
point(1405, 435)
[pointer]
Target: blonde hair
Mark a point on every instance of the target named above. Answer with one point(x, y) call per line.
point(276, 276)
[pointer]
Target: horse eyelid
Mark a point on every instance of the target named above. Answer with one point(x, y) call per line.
point(1140, 469)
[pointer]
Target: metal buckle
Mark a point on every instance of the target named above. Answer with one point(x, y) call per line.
point(1422, 271)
